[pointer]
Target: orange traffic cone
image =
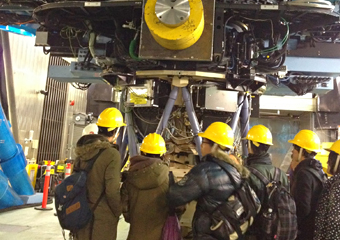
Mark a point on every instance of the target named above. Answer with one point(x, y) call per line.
point(46, 186)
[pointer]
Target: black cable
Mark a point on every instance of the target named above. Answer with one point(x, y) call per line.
point(81, 86)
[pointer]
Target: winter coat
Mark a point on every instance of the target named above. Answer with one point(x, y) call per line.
point(263, 164)
point(327, 220)
point(306, 190)
point(103, 177)
point(144, 197)
point(210, 185)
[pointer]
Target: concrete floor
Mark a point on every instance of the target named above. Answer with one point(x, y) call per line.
point(31, 224)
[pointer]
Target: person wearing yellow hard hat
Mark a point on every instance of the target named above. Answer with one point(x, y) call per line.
point(103, 180)
point(307, 182)
point(260, 165)
point(327, 220)
point(109, 122)
point(144, 190)
point(208, 182)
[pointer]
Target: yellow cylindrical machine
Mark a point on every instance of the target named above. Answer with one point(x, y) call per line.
point(172, 26)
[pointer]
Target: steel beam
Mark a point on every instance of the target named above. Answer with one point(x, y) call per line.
point(244, 120)
point(193, 119)
point(131, 134)
point(167, 111)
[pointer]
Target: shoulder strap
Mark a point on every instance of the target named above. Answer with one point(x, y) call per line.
point(277, 175)
point(96, 204)
point(225, 209)
point(316, 173)
point(91, 162)
point(259, 175)
point(226, 170)
point(88, 169)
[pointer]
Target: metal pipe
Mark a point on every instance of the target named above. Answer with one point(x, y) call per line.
point(193, 119)
point(244, 120)
point(120, 137)
point(9, 84)
point(236, 117)
point(131, 134)
point(167, 111)
point(70, 138)
point(122, 147)
point(201, 85)
point(206, 85)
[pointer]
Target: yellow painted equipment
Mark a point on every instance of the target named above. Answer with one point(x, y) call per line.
point(178, 37)
point(323, 155)
point(32, 170)
point(52, 168)
point(61, 168)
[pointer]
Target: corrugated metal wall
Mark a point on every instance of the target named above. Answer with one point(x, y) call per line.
point(28, 69)
point(53, 116)
point(29, 65)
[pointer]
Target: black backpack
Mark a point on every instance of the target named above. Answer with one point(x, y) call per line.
point(231, 219)
point(277, 219)
point(71, 202)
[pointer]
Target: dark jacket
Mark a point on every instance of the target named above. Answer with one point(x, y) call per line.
point(327, 220)
point(144, 197)
point(263, 164)
point(306, 190)
point(103, 177)
point(210, 185)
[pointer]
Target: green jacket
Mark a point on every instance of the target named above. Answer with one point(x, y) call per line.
point(144, 197)
point(263, 164)
point(103, 177)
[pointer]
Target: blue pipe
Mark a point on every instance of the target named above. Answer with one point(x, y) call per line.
point(8, 198)
point(244, 119)
point(12, 159)
point(167, 111)
point(122, 147)
point(120, 137)
point(236, 116)
point(131, 134)
point(193, 120)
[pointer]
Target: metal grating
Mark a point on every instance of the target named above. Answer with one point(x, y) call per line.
point(53, 116)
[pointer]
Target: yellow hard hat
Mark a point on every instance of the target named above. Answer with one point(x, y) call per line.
point(308, 140)
point(260, 134)
point(110, 118)
point(335, 147)
point(153, 144)
point(219, 133)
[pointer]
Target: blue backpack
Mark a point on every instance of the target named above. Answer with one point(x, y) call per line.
point(71, 202)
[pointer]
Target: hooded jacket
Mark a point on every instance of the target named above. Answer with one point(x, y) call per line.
point(104, 177)
point(144, 197)
point(327, 220)
point(306, 190)
point(210, 185)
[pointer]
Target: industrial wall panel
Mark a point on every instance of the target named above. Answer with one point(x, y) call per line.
point(29, 70)
point(53, 117)
point(282, 129)
point(71, 133)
